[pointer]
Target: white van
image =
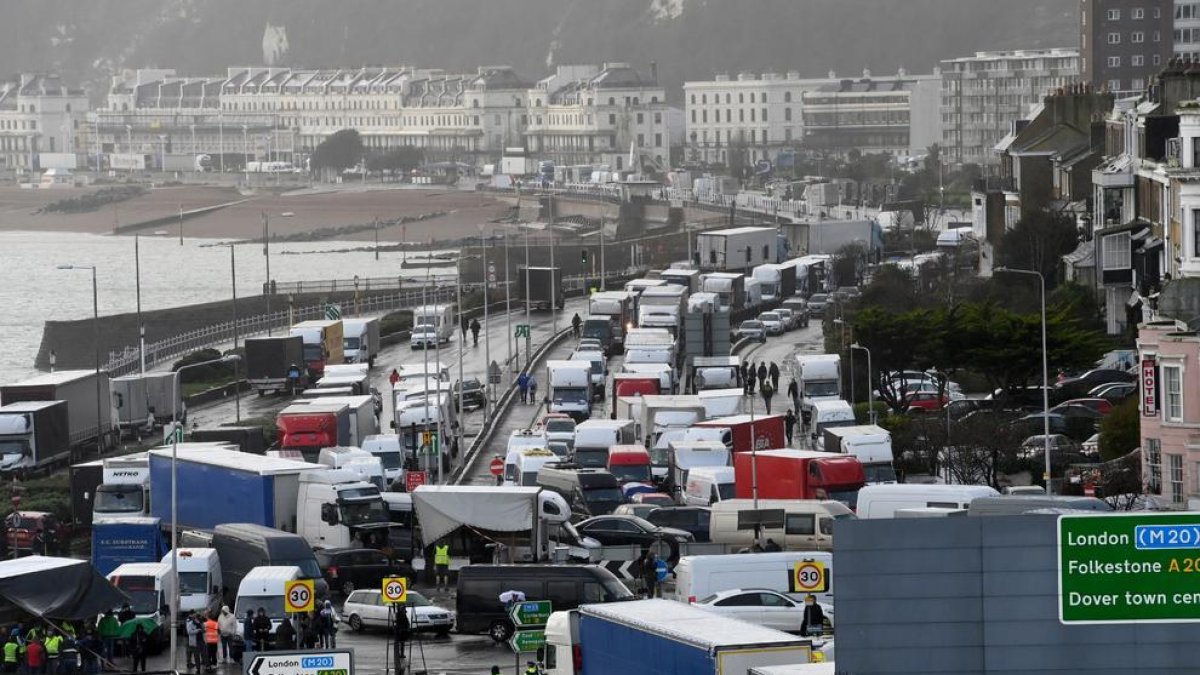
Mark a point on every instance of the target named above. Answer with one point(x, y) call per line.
point(708, 485)
point(882, 501)
point(262, 587)
point(699, 576)
point(200, 580)
point(825, 414)
point(807, 523)
point(149, 587)
point(387, 448)
point(526, 463)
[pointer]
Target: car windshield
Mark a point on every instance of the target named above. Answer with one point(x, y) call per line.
point(821, 388)
point(308, 567)
point(350, 344)
point(751, 325)
point(417, 600)
point(119, 499)
point(769, 316)
point(879, 473)
point(627, 473)
point(193, 582)
point(660, 456)
point(273, 604)
point(14, 448)
point(818, 298)
point(560, 426)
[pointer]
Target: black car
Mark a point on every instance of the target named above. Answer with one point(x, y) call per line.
point(1077, 387)
point(692, 519)
point(346, 569)
point(473, 394)
point(614, 530)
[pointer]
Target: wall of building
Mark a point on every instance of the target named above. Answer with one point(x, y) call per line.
point(1123, 44)
point(977, 596)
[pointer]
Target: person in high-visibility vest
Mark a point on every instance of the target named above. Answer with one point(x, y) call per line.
point(212, 639)
point(53, 645)
point(12, 654)
point(441, 565)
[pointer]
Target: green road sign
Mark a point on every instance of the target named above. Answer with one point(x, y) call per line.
point(333, 312)
point(527, 640)
point(172, 433)
point(522, 330)
point(1129, 568)
point(430, 443)
point(531, 613)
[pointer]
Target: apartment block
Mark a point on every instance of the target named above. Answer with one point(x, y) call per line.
point(38, 114)
point(1123, 43)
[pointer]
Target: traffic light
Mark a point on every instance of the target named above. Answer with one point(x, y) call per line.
point(583, 256)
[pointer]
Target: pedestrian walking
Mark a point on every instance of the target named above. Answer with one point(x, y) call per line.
point(813, 622)
point(262, 630)
point(773, 371)
point(195, 642)
point(789, 423)
point(285, 636)
point(793, 392)
point(523, 386)
point(212, 641)
point(139, 644)
point(767, 392)
point(308, 631)
point(532, 390)
point(108, 628)
point(745, 378)
point(12, 654)
point(576, 323)
point(328, 626)
point(762, 372)
point(475, 331)
point(228, 623)
point(464, 324)
point(249, 643)
point(441, 565)
point(650, 574)
point(751, 374)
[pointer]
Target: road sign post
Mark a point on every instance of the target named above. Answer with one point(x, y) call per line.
point(529, 618)
point(319, 662)
point(299, 596)
point(496, 466)
point(414, 479)
point(395, 590)
point(1139, 567)
point(808, 577)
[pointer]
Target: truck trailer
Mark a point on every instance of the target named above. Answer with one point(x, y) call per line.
point(323, 344)
point(798, 474)
point(33, 435)
point(89, 422)
point(269, 360)
point(139, 396)
point(541, 286)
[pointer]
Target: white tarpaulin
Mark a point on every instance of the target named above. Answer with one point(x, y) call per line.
point(441, 509)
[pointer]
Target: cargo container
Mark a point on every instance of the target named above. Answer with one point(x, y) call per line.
point(79, 389)
point(737, 248)
point(768, 431)
point(540, 287)
point(137, 397)
point(798, 474)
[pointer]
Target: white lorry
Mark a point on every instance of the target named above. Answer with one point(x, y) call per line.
point(200, 581)
point(820, 379)
point(570, 388)
point(871, 444)
point(360, 340)
point(125, 491)
point(649, 345)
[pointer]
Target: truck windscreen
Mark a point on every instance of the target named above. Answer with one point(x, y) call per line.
point(140, 589)
point(570, 395)
point(821, 388)
point(119, 499)
point(14, 447)
point(361, 513)
point(192, 583)
point(272, 604)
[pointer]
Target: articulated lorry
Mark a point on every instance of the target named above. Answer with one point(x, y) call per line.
point(610, 313)
point(269, 361)
point(127, 540)
point(360, 341)
point(137, 397)
point(542, 286)
point(35, 434)
point(323, 344)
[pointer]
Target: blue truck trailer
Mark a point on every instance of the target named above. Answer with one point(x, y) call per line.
point(127, 540)
point(226, 486)
point(649, 637)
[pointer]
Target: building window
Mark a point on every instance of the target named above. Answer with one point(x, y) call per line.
point(1195, 216)
point(658, 140)
point(1157, 60)
point(658, 118)
point(640, 118)
point(1116, 251)
point(1137, 37)
point(787, 97)
point(741, 98)
point(1176, 464)
point(1114, 15)
point(1114, 62)
point(693, 117)
point(764, 114)
point(752, 97)
point(787, 114)
point(1154, 466)
point(1114, 85)
point(693, 99)
point(1172, 393)
point(1138, 13)
point(1137, 60)
point(704, 116)
point(703, 98)
point(741, 114)
point(1137, 84)
point(1157, 36)
point(752, 114)
point(1114, 38)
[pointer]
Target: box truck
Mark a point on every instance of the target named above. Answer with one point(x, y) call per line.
point(541, 286)
point(127, 540)
point(820, 379)
point(33, 435)
point(313, 425)
point(798, 474)
point(570, 388)
point(79, 389)
point(323, 343)
point(768, 431)
point(871, 444)
point(360, 341)
point(269, 360)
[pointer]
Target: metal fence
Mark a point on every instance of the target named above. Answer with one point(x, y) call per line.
point(125, 361)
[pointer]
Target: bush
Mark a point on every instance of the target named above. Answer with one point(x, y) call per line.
point(209, 373)
point(395, 322)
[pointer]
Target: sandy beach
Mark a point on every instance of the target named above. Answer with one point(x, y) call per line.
point(461, 212)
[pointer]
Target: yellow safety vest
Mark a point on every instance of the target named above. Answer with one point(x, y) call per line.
point(10, 652)
point(441, 555)
point(53, 645)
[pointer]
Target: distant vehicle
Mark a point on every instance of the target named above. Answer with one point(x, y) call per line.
point(613, 530)
point(365, 609)
point(639, 510)
point(473, 394)
point(799, 307)
point(882, 501)
point(772, 323)
point(655, 498)
point(817, 303)
point(788, 316)
point(424, 336)
point(1092, 445)
point(763, 607)
point(753, 330)
point(560, 428)
point(1102, 406)
point(1069, 409)
point(693, 519)
point(348, 569)
point(1035, 446)
point(1113, 392)
point(927, 401)
point(590, 344)
point(1077, 386)
point(1014, 505)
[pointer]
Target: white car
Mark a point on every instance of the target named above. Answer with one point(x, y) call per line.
point(772, 322)
point(788, 316)
point(424, 336)
point(763, 607)
point(365, 609)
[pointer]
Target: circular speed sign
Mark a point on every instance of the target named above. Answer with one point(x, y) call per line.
point(809, 577)
point(298, 596)
point(395, 590)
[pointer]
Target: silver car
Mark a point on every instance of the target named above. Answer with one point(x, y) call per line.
point(753, 330)
point(364, 609)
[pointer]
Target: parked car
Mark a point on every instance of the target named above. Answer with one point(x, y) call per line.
point(1078, 386)
point(1069, 410)
point(788, 316)
point(753, 330)
point(694, 519)
point(926, 401)
point(762, 607)
point(349, 569)
point(1114, 392)
point(365, 609)
point(589, 345)
point(1034, 423)
point(772, 322)
point(1101, 405)
point(639, 510)
point(1035, 446)
point(473, 394)
point(613, 530)
point(1092, 445)
point(817, 303)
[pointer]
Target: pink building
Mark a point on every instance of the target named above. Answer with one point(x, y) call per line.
point(1169, 359)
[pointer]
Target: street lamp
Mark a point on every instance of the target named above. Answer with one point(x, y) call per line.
point(176, 433)
point(870, 381)
point(96, 351)
point(1045, 370)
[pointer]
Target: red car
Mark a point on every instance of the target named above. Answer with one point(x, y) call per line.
point(927, 401)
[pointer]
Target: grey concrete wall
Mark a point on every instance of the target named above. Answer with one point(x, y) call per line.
point(974, 596)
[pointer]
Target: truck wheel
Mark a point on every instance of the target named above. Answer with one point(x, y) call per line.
point(500, 631)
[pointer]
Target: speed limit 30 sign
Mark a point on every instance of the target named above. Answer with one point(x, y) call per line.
point(298, 596)
point(809, 577)
point(395, 590)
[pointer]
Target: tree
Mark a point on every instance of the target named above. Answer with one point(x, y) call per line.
point(1038, 243)
point(340, 151)
point(846, 264)
point(1120, 431)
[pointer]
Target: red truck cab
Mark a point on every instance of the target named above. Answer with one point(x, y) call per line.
point(799, 474)
point(769, 431)
point(630, 463)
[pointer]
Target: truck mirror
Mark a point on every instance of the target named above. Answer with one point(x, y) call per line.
point(329, 514)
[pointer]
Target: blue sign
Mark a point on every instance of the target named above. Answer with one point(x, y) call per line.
point(660, 569)
point(1158, 537)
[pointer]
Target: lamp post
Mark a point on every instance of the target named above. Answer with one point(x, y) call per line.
point(487, 343)
point(137, 276)
point(176, 433)
point(1045, 370)
point(870, 381)
point(237, 391)
point(95, 349)
point(267, 256)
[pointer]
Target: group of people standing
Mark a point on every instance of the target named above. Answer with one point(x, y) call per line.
point(315, 629)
